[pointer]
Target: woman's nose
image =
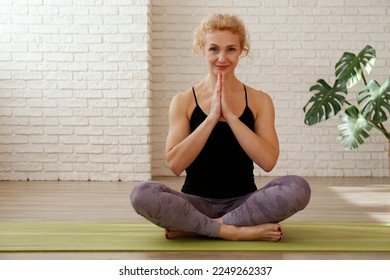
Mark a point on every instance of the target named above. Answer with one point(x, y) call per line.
point(221, 57)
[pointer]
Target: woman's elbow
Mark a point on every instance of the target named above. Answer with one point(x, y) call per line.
point(175, 168)
point(269, 167)
point(177, 171)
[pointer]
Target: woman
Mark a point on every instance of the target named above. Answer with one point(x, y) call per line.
point(217, 129)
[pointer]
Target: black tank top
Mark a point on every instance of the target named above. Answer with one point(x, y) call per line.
point(222, 169)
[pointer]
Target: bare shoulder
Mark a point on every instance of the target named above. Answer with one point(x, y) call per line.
point(183, 96)
point(259, 101)
point(182, 101)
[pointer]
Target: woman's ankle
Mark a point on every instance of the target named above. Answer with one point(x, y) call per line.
point(229, 232)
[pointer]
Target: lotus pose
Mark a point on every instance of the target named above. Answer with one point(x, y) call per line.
point(218, 129)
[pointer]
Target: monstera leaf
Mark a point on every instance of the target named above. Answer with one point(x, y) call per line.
point(353, 129)
point(349, 68)
point(325, 103)
point(374, 99)
point(372, 104)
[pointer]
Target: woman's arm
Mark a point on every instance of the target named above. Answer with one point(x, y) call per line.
point(182, 146)
point(262, 144)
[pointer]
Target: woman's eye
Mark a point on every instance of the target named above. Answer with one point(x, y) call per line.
point(213, 49)
point(232, 49)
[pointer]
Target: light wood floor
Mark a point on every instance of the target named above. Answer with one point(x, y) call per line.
point(333, 199)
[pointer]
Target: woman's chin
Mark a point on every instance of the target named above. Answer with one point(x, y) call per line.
point(221, 71)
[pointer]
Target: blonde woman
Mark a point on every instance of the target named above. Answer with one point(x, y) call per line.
point(218, 129)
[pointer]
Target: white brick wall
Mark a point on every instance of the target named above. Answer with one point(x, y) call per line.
point(294, 43)
point(74, 90)
point(84, 90)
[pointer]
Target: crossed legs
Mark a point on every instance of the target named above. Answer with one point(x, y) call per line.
point(251, 217)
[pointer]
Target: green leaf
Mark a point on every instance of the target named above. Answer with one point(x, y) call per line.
point(374, 100)
point(353, 129)
point(349, 69)
point(325, 103)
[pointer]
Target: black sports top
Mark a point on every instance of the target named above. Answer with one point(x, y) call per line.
point(222, 169)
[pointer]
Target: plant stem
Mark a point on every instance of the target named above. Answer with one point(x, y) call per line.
point(382, 129)
point(388, 156)
point(387, 134)
point(364, 78)
point(349, 103)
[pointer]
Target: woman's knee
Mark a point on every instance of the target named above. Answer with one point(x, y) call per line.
point(141, 194)
point(302, 188)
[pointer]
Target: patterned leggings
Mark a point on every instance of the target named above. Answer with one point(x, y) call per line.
point(177, 211)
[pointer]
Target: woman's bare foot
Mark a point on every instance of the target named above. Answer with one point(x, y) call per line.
point(263, 232)
point(179, 234)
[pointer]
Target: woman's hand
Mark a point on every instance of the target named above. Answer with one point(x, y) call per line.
point(216, 110)
point(220, 109)
point(226, 112)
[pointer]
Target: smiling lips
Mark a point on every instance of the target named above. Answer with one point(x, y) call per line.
point(221, 67)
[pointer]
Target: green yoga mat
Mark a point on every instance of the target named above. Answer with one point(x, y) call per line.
point(136, 237)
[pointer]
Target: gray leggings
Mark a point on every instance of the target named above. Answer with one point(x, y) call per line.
point(177, 211)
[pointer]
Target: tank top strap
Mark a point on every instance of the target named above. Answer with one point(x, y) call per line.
point(193, 91)
point(246, 96)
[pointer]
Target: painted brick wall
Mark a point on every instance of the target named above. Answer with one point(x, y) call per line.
point(85, 85)
point(74, 90)
point(294, 43)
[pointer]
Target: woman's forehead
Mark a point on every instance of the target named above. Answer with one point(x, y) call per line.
point(222, 37)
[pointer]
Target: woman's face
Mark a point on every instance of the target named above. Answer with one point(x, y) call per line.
point(222, 51)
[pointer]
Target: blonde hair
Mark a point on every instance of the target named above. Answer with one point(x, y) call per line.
point(221, 22)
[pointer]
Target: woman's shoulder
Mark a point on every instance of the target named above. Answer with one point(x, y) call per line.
point(183, 102)
point(183, 97)
point(259, 102)
point(258, 97)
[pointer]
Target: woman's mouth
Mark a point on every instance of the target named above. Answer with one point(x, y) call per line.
point(221, 67)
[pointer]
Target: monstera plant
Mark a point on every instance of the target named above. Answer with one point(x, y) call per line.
point(372, 100)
